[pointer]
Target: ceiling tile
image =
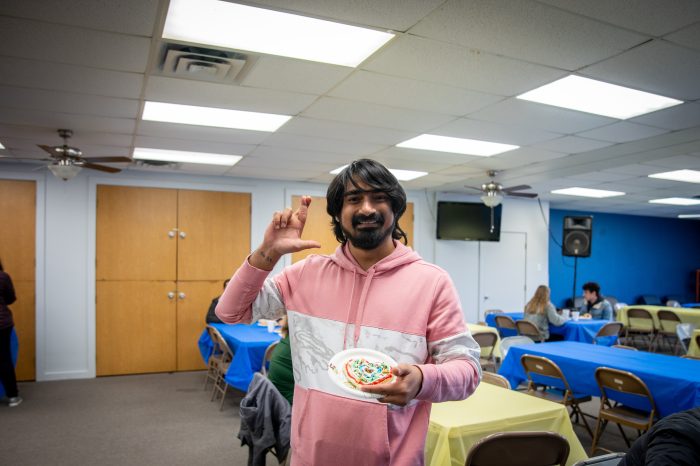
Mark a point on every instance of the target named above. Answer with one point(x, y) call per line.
point(689, 36)
point(295, 141)
point(183, 91)
point(57, 120)
point(675, 118)
point(345, 131)
point(126, 16)
point(288, 157)
point(290, 75)
point(76, 46)
point(657, 66)
point(536, 33)
point(453, 65)
point(494, 132)
point(622, 131)
point(193, 145)
point(529, 155)
point(376, 115)
point(377, 88)
point(200, 133)
point(572, 144)
point(638, 15)
point(522, 113)
point(55, 76)
point(679, 162)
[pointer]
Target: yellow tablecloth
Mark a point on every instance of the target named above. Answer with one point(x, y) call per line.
point(485, 328)
point(691, 316)
point(694, 349)
point(457, 425)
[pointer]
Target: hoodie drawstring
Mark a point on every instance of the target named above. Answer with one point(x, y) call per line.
point(347, 317)
point(361, 305)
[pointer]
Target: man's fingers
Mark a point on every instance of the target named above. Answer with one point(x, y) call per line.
point(286, 216)
point(308, 244)
point(276, 219)
point(303, 210)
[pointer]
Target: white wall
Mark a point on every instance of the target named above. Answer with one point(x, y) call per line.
point(65, 301)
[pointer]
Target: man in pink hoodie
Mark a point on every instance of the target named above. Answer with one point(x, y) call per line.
point(373, 292)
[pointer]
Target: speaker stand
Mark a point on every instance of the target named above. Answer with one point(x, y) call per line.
point(573, 291)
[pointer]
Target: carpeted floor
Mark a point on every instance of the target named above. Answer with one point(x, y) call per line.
point(154, 419)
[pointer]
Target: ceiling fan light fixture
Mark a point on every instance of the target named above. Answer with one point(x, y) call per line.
point(64, 169)
point(491, 199)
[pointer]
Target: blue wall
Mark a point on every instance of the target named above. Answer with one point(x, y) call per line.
point(630, 256)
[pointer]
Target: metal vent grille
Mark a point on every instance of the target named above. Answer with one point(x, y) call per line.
point(188, 62)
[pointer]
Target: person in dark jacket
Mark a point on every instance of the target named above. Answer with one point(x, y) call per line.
point(7, 369)
point(674, 440)
point(212, 318)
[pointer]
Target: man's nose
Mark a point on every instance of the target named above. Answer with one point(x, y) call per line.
point(367, 207)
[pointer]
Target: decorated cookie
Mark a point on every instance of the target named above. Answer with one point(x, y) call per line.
point(360, 371)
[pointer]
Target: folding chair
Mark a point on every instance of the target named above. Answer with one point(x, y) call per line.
point(684, 332)
point(643, 327)
point(504, 322)
point(528, 329)
point(267, 357)
point(631, 348)
point(555, 387)
point(507, 342)
point(611, 459)
point(668, 320)
point(487, 340)
point(519, 449)
point(611, 329)
point(627, 384)
point(220, 384)
point(495, 379)
point(214, 357)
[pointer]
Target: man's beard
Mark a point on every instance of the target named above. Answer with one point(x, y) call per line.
point(369, 238)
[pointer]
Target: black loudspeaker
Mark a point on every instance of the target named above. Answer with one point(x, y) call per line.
point(578, 233)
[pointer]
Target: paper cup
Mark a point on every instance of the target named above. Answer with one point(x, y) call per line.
point(271, 326)
point(575, 315)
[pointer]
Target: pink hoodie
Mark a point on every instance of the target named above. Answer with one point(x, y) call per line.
point(402, 306)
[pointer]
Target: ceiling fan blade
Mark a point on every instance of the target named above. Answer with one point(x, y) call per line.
point(107, 159)
point(474, 188)
point(49, 149)
point(530, 195)
point(102, 168)
point(521, 187)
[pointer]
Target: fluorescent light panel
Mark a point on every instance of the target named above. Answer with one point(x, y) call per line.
point(245, 27)
point(589, 95)
point(456, 145)
point(588, 192)
point(689, 216)
point(1, 146)
point(401, 175)
point(676, 201)
point(689, 176)
point(209, 116)
point(185, 157)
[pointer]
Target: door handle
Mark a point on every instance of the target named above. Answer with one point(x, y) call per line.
point(181, 295)
point(171, 234)
point(171, 294)
point(183, 235)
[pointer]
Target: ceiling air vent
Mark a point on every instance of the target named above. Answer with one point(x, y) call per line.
point(188, 62)
point(155, 163)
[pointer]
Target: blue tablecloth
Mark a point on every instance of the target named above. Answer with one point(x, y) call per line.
point(674, 382)
point(581, 330)
point(692, 305)
point(14, 349)
point(248, 343)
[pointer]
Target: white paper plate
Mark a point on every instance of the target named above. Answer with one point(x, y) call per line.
point(336, 369)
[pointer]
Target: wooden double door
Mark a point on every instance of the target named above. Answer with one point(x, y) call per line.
point(162, 256)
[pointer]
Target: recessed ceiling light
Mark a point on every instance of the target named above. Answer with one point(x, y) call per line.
point(243, 27)
point(144, 153)
point(209, 116)
point(401, 175)
point(689, 216)
point(689, 176)
point(588, 192)
point(589, 95)
point(456, 145)
point(676, 201)
point(1, 146)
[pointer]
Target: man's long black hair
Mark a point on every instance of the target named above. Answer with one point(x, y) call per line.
point(375, 175)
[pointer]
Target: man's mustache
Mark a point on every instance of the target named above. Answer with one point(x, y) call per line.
point(375, 218)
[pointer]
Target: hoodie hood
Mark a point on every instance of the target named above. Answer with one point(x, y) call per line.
point(401, 255)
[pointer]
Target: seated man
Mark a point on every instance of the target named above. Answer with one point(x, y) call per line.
point(212, 318)
point(595, 306)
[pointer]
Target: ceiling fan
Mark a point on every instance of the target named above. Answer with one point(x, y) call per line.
point(493, 192)
point(67, 161)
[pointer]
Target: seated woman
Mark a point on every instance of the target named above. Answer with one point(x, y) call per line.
point(541, 312)
point(280, 373)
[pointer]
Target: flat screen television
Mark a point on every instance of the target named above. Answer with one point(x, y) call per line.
point(468, 221)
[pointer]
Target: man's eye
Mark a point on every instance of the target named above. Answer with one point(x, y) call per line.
point(352, 199)
point(381, 197)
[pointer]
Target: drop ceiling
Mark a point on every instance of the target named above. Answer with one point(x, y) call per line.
point(453, 69)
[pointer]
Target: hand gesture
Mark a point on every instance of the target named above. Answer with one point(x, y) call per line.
point(283, 235)
point(409, 380)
